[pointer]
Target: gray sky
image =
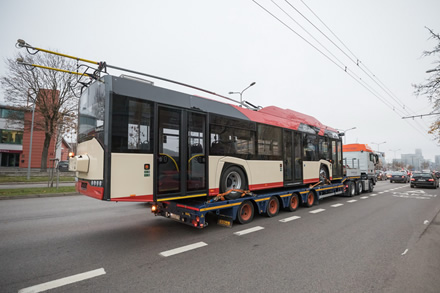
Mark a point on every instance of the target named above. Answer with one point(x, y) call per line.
point(225, 45)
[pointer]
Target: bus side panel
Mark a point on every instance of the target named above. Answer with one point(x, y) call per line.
point(261, 174)
point(311, 170)
point(132, 177)
point(265, 174)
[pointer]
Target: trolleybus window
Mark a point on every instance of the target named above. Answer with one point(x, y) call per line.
point(131, 125)
point(91, 113)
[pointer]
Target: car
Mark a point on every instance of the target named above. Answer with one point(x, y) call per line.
point(63, 166)
point(399, 176)
point(381, 175)
point(424, 179)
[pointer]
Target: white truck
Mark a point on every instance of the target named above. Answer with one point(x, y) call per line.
point(359, 166)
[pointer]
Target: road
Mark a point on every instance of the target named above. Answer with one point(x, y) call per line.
point(385, 241)
point(33, 185)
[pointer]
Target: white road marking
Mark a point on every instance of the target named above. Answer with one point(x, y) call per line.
point(250, 230)
point(426, 222)
point(182, 249)
point(406, 250)
point(381, 192)
point(63, 281)
point(363, 197)
point(353, 200)
point(374, 194)
point(290, 219)
point(317, 211)
point(337, 205)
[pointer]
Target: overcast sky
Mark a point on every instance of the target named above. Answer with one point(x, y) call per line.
point(225, 45)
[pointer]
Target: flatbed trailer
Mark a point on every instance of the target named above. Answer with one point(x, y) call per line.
point(269, 203)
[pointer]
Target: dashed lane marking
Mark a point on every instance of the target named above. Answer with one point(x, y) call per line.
point(317, 211)
point(182, 249)
point(353, 200)
point(363, 197)
point(290, 219)
point(63, 281)
point(374, 194)
point(247, 231)
point(337, 205)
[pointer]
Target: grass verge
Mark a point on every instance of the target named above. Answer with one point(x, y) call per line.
point(37, 190)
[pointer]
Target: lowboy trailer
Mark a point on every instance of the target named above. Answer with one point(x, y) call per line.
point(243, 209)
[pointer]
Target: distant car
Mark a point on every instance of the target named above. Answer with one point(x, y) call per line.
point(381, 175)
point(424, 180)
point(399, 176)
point(63, 166)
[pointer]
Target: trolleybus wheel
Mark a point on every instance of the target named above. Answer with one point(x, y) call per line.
point(293, 202)
point(233, 178)
point(323, 174)
point(310, 199)
point(245, 212)
point(273, 207)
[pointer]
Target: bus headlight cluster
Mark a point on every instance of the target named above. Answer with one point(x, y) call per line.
point(97, 183)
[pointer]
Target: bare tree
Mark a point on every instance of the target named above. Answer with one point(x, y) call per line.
point(52, 93)
point(431, 87)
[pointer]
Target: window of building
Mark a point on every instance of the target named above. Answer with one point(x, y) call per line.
point(11, 136)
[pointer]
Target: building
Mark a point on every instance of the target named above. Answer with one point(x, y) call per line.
point(15, 134)
point(415, 160)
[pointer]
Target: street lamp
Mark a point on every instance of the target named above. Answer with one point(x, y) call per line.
point(378, 144)
point(241, 93)
point(344, 131)
point(30, 143)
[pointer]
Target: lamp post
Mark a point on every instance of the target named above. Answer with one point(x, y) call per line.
point(241, 93)
point(378, 144)
point(30, 143)
point(344, 131)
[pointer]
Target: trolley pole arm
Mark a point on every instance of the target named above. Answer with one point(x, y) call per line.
point(21, 62)
point(23, 44)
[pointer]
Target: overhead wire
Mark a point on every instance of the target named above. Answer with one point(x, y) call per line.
point(397, 110)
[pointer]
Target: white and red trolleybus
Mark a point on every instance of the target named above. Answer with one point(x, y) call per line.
point(140, 142)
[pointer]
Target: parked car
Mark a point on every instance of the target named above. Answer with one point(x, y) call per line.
point(63, 166)
point(399, 176)
point(424, 179)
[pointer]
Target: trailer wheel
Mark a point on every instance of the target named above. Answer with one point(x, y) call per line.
point(273, 207)
point(310, 199)
point(293, 202)
point(359, 187)
point(233, 178)
point(370, 186)
point(351, 189)
point(245, 212)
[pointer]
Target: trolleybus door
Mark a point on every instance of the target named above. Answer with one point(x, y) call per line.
point(292, 158)
point(169, 151)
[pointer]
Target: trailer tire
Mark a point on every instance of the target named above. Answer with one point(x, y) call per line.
point(233, 177)
point(370, 186)
point(273, 207)
point(359, 187)
point(351, 189)
point(293, 202)
point(311, 198)
point(245, 212)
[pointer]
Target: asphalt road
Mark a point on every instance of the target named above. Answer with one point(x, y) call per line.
point(385, 241)
point(32, 185)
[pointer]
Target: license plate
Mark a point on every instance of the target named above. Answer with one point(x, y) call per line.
point(225, 223)
point(422, 180)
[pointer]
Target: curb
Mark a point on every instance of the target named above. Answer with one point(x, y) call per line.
point(25, 196)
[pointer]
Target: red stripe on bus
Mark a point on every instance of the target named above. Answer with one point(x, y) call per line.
point(137, 198)
point(266, 185)
point(313, 180)
point(214, 191)
point(92, 191)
